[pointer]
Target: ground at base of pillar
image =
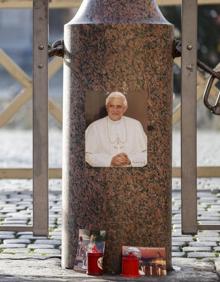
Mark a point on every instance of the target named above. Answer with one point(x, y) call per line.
point(186, 270)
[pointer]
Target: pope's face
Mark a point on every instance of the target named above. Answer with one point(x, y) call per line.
point(116, 108)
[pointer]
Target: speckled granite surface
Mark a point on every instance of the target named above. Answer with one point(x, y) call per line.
point(132, 204)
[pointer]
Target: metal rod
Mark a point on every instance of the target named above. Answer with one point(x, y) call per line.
point(13, 4)
point(27, 173)
point(209, 227)
point(16, 228)
point(209, 70)
point(40, 117)
point(188, 117)
point(56, 173)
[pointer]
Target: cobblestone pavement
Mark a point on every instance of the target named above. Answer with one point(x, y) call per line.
point(16, 208)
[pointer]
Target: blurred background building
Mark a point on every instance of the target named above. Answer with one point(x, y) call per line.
point(16, 41)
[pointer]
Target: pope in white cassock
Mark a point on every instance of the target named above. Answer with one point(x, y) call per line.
point(116, 140)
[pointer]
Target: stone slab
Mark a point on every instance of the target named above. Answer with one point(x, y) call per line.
point(202, 244)
point(178, 254)
point(40, 246)
point(49, 241)
point(48, 252)
point(208, 238)
point(196, 249)
point(12, 246)
point(15, 251)
point(16, 241)
point(201, 255)
point(7, 236)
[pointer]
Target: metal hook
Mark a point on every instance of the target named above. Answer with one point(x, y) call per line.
point(215, 109)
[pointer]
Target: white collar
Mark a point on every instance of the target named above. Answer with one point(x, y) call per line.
point(114, 122)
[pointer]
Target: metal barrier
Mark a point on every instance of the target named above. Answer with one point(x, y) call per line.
point(57, 4)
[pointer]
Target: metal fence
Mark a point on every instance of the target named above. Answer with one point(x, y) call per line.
point(76, 3)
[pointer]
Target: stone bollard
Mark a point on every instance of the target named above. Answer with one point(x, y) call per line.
point(126, 46)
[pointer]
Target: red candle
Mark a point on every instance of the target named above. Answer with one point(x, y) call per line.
point(95, 264)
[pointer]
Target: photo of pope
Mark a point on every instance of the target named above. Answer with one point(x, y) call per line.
point(116, 140)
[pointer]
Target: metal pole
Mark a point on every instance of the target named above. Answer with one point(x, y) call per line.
point(189, 118)
point(40, 117)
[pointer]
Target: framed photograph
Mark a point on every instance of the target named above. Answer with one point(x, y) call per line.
point(152, 261)
point(89, 242)
point(116, 134)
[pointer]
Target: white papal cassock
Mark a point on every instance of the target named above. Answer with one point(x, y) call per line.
point(106, 138)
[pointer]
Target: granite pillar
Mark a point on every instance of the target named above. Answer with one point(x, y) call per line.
point(123, 45)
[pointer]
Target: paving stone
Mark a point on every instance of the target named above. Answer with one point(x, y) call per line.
point(14, 220)
point(55, 233)
point(178, 215)
point(25, 203)
point(178, 254)
point(202, 244)
point(12, 200)
point(56, 209)
point(25, 212)
point(48, 251)
point(208, 239)
point(181, 239)
point(15, 251)
point(52, 222)
point(7, 210)
point(177, 233)
point(175, 210)
point(56, 237)
point(17, 215)
point(49, 241)
point(51, 215)
point(213, 216)
point(201, 255)
point(208, 233)
point(40, 246)
point(177, 226)
point(193, 263)
point(14, 223)
point(178, 230)
point(7, 233)
point(208, 219)
point(16, 241)
point(215, 207)
point(12, 246)
point(205, 222)
point(31, 237)
point(9, 206)
point(175, 221)
point(175, 249)
point(24, 233)
point(178, 243)
point(7, 236)
point(23, 206)
point(196, 249)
